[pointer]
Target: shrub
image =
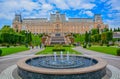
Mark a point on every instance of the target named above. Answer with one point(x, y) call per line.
point(3, 44)
point(101, 44)
point(108, 45)
point(49, 45)
point(84, 46)
point(8, 46)
point(66, 46)
point(118, 52)
point(14, 45)
point(89, 45)
point(58, 50)
point(0, 52)
point(26, 45)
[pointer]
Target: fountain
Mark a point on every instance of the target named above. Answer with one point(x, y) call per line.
point(61, 55)
point(61, 66)
point(55, 56)
point(67, 56)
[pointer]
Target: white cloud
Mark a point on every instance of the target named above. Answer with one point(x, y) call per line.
point(72, 4)
point(115, 21)
point(59, 4)
point(80, 4)
point(89, 13)
point(47, 7)
point(115, 4)
point(28, 7)
point(8, 8)
point(113, 13)
point(86, 12)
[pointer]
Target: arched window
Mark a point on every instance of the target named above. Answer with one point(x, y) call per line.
point(98, 26)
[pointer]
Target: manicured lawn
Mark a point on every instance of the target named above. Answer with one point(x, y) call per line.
point(104, 49)
point(48, 50)
point(12, 50)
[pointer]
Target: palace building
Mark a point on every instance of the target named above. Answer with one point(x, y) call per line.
point(57, 23)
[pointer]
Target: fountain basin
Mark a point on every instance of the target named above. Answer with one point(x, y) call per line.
point(29, 70)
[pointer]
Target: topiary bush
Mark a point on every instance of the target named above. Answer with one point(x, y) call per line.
point(58, 50)
point(108, 45)
point(118, 52)
point(84, 46)
point(8, 46)
point(0, 52)
point(26, 45)
point(89, 45)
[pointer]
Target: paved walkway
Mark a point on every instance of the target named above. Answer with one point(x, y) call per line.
point(115, 72)
point(113, 61)
point(8, 63)
point(7, 73)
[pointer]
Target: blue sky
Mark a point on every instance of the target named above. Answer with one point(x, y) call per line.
point(109, 9)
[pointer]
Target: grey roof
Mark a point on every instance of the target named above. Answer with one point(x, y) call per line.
point(80, 20)
point(61, 16)
point(35, 20)
point(52, 18)
point(18, 18)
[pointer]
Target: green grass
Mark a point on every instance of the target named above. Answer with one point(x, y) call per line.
point(104, 49)
point(12, 50)
point(48, 50)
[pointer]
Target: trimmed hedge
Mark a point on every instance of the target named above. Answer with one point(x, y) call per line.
point(0, 52)
point(118, 52)
point(108, 45)
point(66, 46)
point(58, 50)
point(49, 45)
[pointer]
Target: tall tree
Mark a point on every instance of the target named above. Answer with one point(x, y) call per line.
point(86, 37)
point(95, 31)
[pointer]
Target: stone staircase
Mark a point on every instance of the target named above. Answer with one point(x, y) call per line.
point(57, 40)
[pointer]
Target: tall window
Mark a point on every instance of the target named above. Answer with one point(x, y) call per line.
point(98, 26)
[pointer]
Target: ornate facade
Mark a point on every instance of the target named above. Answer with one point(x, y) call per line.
point(57, 23)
